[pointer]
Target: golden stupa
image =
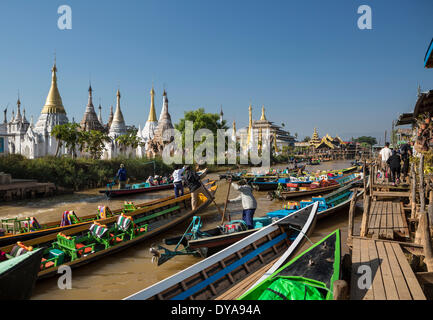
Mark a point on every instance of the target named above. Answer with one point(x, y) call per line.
point(53, 104)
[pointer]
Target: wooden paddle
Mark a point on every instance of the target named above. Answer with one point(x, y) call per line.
point(210, 196)
point(225, 204)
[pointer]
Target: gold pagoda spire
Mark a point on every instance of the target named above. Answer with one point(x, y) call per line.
point(263, 117)
point(250, 123)
point(54, 103)
point(152, 113)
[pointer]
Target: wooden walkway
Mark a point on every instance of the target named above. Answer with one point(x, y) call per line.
point(392, 276)
point(387, 219)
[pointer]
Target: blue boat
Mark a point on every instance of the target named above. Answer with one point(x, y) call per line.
point(328, 204)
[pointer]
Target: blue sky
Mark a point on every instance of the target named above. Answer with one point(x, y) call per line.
point(306, 61)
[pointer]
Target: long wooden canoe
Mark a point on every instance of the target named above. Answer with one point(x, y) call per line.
point(309, 276)
point(18, 275)
point(328, 204)
point(213, 276)
point(148, 222)
point(112, 193)
point(342, 181)
point(54, 226)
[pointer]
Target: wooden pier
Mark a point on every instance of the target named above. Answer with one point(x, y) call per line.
point(392, 277)
point(25, 189)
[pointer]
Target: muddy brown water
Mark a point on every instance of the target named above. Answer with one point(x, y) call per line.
point(124, 273)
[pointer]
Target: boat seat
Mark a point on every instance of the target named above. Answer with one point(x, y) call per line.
point(55, 258)
point(74, 246)
point(129, 207)
point(157, 214)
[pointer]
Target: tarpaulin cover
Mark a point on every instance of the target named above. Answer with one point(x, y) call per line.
point(285, 289)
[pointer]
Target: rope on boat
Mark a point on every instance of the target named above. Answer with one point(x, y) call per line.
point(300, 231)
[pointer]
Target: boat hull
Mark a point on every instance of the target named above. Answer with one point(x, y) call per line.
point(17, 282)
point(215, 275)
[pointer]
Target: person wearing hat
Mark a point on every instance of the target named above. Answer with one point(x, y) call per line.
point(121, 175)
point(249, 203)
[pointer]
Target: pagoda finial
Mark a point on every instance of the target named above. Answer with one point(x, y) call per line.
point(152, 113)
point(263, 117)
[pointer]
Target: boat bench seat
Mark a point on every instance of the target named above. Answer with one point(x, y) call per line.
point(54, 259)
point(74, 246)
point(343, 196)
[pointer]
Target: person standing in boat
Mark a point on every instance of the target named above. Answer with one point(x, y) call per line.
point(121, 175)
point(177, 181)
point(192, 181)
point(249, 203)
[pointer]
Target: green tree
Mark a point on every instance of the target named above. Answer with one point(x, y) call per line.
point(367, 140)
point(67, 134)
point(306, 139)
point(95, 142)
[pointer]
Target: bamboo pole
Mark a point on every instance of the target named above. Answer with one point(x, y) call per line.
point(365, 215)
point(421, 184)
point(351, 214)
point(413, 192)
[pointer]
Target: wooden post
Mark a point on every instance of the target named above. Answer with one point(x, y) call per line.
point(351, 214)
point(413, 192)
point(372, 179)
point(364, 178)
point(428, 252)
point(365, 215)
point(225, 204)
point(341, 290)
point(421, 184)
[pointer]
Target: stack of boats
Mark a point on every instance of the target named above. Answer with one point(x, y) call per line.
point(263, 263)
point(30, 250)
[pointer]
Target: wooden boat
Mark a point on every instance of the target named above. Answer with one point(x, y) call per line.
point(306, 189)
point(328, 204)
point(309, 276)
point(214, 275)
point(23, 232)
point(84, 244)
point(272, 184)
point(205, 243)
point(18, 275)
point(141, 188)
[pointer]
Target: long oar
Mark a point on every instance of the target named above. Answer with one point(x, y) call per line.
point(225, 204)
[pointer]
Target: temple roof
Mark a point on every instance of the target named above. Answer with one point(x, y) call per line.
point(118, 126)
point(90, 120)
point(164, 122)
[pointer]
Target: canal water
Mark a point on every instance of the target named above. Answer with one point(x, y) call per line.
point(121, 274)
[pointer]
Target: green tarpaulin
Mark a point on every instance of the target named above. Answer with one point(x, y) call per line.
point(285, 289)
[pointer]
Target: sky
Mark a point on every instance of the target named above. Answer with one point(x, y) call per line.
point(306, 61)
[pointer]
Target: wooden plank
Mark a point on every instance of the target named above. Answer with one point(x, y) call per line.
point(388, 280)
point(365, 261)
point(399, 279)
point(404, 220)
point(382, 231)
point(412, 282)
point(389, 221)
point(372, 217)
point(355, 292)
point(377, 282)
point(396, 194)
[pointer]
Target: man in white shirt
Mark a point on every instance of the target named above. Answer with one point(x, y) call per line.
point(177, 181)
point(385, 153)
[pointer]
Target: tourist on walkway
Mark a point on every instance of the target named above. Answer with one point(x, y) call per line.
point(121, 175)
point(192, 181)
point(249, 203)
point(405, 152)
point(177, 181)
point(384, 154)
point(394, 165)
